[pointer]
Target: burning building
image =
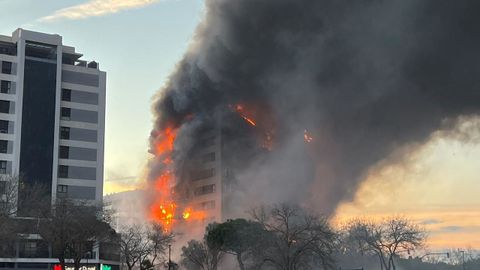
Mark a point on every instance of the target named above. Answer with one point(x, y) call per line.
point(329, 88)
point(200, 187)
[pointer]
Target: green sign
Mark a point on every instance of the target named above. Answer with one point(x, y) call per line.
point(106, 267)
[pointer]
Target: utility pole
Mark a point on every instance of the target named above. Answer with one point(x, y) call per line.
point(463, 258)
point(169, 256)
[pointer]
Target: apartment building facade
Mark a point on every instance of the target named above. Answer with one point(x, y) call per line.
point(52, 125)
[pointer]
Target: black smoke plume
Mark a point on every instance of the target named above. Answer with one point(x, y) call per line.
point(363, 77)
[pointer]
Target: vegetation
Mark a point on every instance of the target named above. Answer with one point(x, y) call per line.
point(385, 240)
point(143, 246)
point(283, 237)
point(74, 229)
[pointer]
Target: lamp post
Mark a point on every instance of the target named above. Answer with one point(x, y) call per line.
point(463, 258)
point(169, 256)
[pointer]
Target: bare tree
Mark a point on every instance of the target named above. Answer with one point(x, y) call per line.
point(159, 243)
point(74, 229)
point(139, 244)
point(8, 195)
point(387, 239)
point(14, 194)
point(301, 240)
point(133, 245)
point(200, 255)
point(8, 202)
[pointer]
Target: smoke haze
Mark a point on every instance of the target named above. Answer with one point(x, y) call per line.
point(365, 78)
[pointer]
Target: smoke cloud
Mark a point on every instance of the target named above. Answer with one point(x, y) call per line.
point(363, 77)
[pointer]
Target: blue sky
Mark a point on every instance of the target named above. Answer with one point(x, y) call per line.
point(137, 46)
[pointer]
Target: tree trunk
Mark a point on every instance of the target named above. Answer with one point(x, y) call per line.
point(76, 263)
point(62, 262)
point(240, 262)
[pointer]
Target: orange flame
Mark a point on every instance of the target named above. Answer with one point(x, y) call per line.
point(307, 136)
point(240, 109)
point(164, 208)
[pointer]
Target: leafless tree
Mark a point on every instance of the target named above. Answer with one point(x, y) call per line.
point(301, 240)
point(139, 244)
point(8, 195)
point(133, 245)
point(200, 255)
point(73, 230)
point(387, 239)
point(31, 197)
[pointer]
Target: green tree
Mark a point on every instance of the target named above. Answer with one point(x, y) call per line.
point(238, 237)
point(200, 255)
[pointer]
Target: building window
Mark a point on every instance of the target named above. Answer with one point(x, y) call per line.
point(3, 146)
point(64, 152)
point(207, 142)
point(63, 171)
point(75, 172)
point(79, 96)
point(64, 133)
point(5, 87)
point(78, 134)
point(208, 157)
point(3, 167)
point(205, 190)
point(66, 94)
point(207, 205)
point(6, 67)
point(62, 188)
point(202, 174)
point(3, 126)
point(30, 249)
point(4, 106)
point(66, 113)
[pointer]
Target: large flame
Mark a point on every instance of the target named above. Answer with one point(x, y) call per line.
point(164, 209)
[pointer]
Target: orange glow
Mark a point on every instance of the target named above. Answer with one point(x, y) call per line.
point(164, 208)
point(250, 121)
point(259, 117)
point(165, 142)
point(189, 214)
point(240, 109)
point(307, 136)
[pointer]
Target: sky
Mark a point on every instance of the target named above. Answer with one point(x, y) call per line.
point(139, 42)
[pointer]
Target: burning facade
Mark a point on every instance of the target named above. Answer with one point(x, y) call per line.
point(327, 88)
point(200, 188)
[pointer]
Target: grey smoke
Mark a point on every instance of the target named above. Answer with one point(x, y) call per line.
point(365, 77)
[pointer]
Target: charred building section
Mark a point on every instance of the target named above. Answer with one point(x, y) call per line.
point(207, 181)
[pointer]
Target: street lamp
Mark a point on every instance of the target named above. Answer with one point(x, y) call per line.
point(463, 258)
point(169, 256)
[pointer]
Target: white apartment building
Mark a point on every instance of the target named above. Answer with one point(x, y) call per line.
point(52, 125)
